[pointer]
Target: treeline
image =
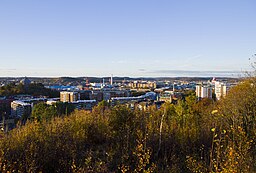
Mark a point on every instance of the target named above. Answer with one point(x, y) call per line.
point(34, 89)
point(45, 112)
point(190, 136)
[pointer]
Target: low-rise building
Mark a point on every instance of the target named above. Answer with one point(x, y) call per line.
point(107, 94)
point(20, 108)
point(84, 104)
point(123, 100)
point(165, 96)
point(142, 84)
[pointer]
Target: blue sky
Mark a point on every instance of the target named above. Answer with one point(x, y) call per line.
point(125, 37)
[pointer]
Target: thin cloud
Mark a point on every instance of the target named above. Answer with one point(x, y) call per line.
point(190, 73)
point(8, 69)
point(119, 62)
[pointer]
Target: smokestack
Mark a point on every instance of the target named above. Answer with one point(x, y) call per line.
point(111, 80)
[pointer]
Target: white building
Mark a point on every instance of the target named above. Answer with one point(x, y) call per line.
point(206, 92)
point(203, 91)
point(220, 90)
point(198, 90)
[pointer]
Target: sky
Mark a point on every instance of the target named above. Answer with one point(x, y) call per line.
point(151, 38)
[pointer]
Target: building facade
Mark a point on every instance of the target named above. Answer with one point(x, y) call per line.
point(220, 90)
point(203, 91)
point(66, 96)
point(19, 109)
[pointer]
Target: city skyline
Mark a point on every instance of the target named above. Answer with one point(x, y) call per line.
point(126, 38)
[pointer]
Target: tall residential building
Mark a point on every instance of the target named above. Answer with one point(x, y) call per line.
point(111, 80)
point(203, 91)
point(220, 90)
point(66, 96)
point(198, 90)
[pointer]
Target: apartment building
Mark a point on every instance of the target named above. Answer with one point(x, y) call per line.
point(203, 91)
point(67, 96)
point(220, 90)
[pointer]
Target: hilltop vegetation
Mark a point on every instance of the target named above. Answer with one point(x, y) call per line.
point(34, 89)
point(190, 136)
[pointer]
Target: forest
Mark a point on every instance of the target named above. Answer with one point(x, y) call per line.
point(190, 136)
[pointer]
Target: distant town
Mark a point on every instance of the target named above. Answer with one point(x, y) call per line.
point(86, 92)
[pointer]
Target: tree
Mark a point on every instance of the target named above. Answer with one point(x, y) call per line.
point(64, 108)
point(42, 111)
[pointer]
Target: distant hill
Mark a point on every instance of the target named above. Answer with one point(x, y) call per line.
point(74, 80)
